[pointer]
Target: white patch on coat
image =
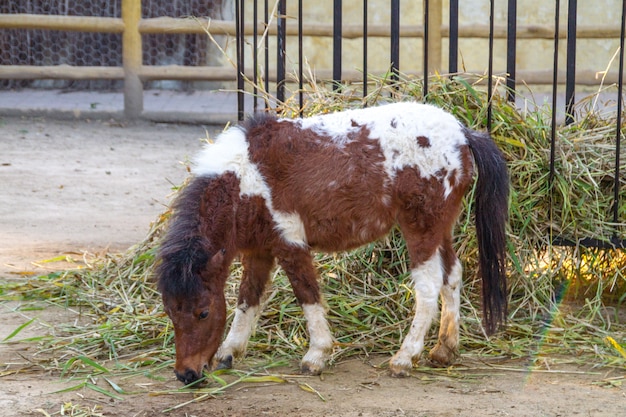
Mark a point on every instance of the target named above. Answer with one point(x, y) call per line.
point(397, 127)
point(321, 340)
point(230, 153)
point(290, 225)
point(240, 330)
point(427, 282)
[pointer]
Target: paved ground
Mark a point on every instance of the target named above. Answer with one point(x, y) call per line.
point(68, 186)
point(208, 107)
point(215, 107)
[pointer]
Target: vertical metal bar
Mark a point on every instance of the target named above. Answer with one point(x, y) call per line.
point(426, 5)
point(300, 63)
point(511, 49)
point(570, 80)
point(281, 60)
point(490, 71)
point(337, 42)
point(255, 57)
point(620, 85)
point(365, 50)
point(266, 18)
point(395, 39)
point(240, 63)
point(453, 39)
point(555, 80)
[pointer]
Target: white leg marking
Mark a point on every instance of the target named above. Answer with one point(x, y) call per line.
point(237, 339)
point(321, 340)
point(427, 283)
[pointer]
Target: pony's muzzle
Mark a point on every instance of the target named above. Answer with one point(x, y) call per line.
point(188, 377)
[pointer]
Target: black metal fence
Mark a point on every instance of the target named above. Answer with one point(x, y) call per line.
point(570, 37)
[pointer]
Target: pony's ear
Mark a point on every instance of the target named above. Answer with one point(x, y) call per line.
point(217, 259)
point(213, 266)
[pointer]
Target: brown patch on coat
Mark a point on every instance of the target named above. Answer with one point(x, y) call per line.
point(343, 205)
point(425, 217)
point(423, 142)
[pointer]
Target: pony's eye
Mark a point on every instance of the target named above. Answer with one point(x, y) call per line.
point(203, 315)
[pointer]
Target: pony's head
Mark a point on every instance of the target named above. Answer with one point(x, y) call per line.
point(196, 307)
point(192, 268)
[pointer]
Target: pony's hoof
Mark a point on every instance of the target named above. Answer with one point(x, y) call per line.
point(442, 356)
point(399, 372)
point(310, 369)
point(225, 363)
point(400, 365)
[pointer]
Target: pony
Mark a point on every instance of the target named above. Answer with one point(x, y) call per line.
point(272, 190)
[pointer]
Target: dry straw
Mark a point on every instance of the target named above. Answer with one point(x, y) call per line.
point(564, 303)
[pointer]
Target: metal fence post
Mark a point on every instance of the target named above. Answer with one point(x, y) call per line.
point(240, 38)
point(132, 59)
point(281, 51)
point(395, 40)
point(453, 53)
point(570, 81)
point(511, 49)
point(337, 42)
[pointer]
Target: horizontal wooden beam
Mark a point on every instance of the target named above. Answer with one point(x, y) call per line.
point(62, 23)
point(164, 25)
point(178, 72)
point(60, 72)
point(348, 31)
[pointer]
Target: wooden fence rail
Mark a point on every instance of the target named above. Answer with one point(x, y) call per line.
point(134, 73)
point(171, 25)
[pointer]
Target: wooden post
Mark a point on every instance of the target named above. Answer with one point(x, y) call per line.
point(434, 36)
point(132, 59)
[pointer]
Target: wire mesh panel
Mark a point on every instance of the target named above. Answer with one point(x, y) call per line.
point(51, 47)
point(182, 49)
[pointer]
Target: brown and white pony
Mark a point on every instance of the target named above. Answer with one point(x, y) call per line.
point(272, 190)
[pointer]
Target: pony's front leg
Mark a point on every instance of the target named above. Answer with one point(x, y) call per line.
point(257, 268)
point(298, 266)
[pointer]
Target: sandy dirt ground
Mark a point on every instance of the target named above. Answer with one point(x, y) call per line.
point(69, 187)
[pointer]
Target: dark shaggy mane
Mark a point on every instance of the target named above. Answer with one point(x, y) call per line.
point(184, 250)
point(257, 120)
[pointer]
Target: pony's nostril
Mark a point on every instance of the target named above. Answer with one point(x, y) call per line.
point(188, 377)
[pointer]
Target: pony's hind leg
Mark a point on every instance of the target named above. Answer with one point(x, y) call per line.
point(446, 350)
point(257, 268)
point(427, 279)
point(298, 266)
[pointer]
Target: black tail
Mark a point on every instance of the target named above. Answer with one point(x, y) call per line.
point(491, 208)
